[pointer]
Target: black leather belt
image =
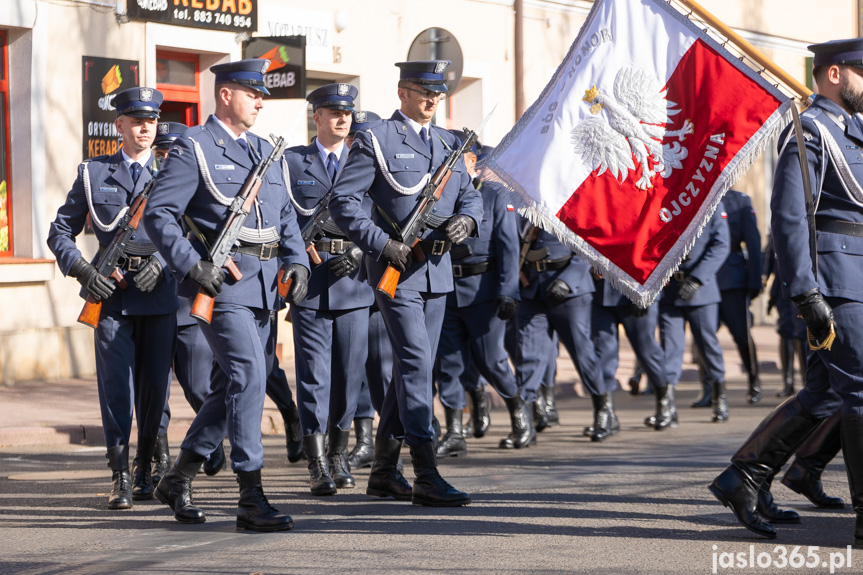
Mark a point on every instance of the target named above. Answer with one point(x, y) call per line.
point(548, 265)
point(825, 224)
point(334, 246)
point(263, 252)
point(133, 263)
point(463, 271)
point(435, 247)
point(678, 276)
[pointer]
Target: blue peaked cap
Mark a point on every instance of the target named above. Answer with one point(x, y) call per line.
point(426, 73)
point(167, 132)
point(846, 52)
point(335, 96)
point(139, 102)
point(362, 120)
point(248, 72)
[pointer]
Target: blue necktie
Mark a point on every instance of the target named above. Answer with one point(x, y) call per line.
point(135, 170)
point(331, 166)
point(245, 145)
point(424, 137)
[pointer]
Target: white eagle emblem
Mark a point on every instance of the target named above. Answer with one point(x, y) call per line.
point(440, 67)
point(146, 94)
point(633, 127)
point(163, 129)
point(360, 117)
point(344, 89)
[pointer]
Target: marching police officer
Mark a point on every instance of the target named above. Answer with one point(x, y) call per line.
point(692, 295)
point(485, 272)
point(739, 281)
point(205, 169)
point(392, 163)
point(827, 290)
point(331, 323)
point(130, 372)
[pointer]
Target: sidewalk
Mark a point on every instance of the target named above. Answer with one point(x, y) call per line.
point(67, 411)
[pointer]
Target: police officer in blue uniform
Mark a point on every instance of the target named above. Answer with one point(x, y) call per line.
point(829, 293)
point(739, 281)
point(485, 274)
point(692, 295)
point(205, 169)
point(391, 163)
point(557, 295)
point(611, 309)
point(131, 374)
point(331, 323)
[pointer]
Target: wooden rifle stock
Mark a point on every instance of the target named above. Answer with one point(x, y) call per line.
point(313, 254)
point(202, 307)
point(92, 310)
point(284, 287)
point(389, 281)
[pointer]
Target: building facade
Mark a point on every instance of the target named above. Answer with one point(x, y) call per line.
point(55, 56)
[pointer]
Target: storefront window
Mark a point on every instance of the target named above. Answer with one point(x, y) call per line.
point(5, 187)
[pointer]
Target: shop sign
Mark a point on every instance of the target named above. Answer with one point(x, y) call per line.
point(102, 79)
point(230, 15)
point(286, 76)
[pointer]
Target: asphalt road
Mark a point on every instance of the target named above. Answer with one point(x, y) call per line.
point(636, 503)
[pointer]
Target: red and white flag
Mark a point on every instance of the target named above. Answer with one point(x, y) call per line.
point(626, 154)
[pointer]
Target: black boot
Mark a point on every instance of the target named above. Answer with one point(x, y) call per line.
point(666, 411)
point(363, 453)
point(767, 508)
point(605, 422)
point(851, 429)
point(767, 449)
point(750, 363)
point(121, 481)
point(161, 459)
point(254, 512)
point(786, 360)
point(550, 405)
point(520, 415)
point(523, 432)
point(720, 402)
point(480, 412)
point(540, 415)
point(430, 489)
point(386, 480)
point(142, 478)
point(635, 379)
point(216, 462)
point(175, 488)
point(337, 457)
point(293, 433)
point(804, 475)
point(452, 444)
point(706, 396)
point(320, 481)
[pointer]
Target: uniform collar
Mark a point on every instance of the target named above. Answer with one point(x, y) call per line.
point(129, 161)
point(415, 125)
point(324, 153)
point(228, 131)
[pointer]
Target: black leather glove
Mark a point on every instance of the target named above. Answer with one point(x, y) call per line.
point(688, 287)
point(557, 291)
point(816, 313)
point(208, 276)
point(638, 311)
point(459, 228)
point(506, 307)
point(95, 283)
point(300, 287)
point(398, 254)
point(346, 263)
point(148, 276)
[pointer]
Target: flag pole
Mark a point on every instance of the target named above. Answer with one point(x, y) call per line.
point(749, 49)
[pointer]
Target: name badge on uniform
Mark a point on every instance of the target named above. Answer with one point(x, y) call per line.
point(305, 182)
point(849, 147)
point(224, 166)
point(404, 156)
point(105, 189)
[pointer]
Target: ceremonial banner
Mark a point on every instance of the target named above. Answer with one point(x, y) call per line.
point(630, 147)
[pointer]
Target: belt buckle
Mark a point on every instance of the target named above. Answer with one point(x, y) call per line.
point(541, 265)
point(456, 270)
point(438, 247)
point(337, 246)
point(133, 263)
point(266, 252)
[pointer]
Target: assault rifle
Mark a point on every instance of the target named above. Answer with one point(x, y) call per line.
point(241, 206)
point(115, 252)
point(528, 236)
point(312, 230)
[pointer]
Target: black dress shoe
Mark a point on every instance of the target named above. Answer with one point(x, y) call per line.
point(121, 480)
point(429, 488)
point(216, 462)
point(386, 480)
point(175, 488)
point(254, 511)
